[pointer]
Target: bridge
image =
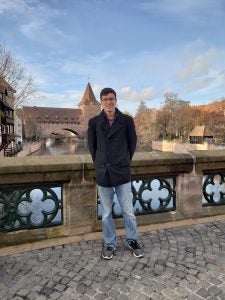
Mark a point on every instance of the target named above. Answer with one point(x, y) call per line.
point(72, 131)
point(56, 254)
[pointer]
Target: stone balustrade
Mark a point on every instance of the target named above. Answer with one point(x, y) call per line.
point(77, 176)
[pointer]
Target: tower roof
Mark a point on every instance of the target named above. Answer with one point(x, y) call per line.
point(88, 96)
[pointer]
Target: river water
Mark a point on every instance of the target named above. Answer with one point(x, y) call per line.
point(62, 148)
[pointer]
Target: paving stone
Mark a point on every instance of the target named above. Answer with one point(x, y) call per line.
point(215, 290)
point(215, 281)
point(179, 263)
point(37, 288)
point(59, 287)
point(191, 278)
point(23, 292)
point(148, 290)
point(90, 292)
point(182, 291)
point(101, 296)
point(55, 295)
point(81, 288)
point(142, 297)
point(41, 297)
point(65, 280)
point(169, 293)
point(221, 296)
point(203, 293)
point(113, 293)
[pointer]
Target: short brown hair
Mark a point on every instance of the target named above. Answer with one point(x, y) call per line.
point(106, 91)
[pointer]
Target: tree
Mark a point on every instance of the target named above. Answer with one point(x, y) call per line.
point(145, 119)
point(15, 74)
point(127, 113)
point(175, 116)
point(162, 122)
point(142, 107)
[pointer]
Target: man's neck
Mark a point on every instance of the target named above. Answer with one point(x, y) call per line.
point(111, 115)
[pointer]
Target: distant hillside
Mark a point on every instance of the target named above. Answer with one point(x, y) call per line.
point(214, 107)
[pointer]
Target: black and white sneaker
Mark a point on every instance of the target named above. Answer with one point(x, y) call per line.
point(136, 248)
point(108, 252)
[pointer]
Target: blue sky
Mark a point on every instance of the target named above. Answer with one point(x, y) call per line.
point(141, 48)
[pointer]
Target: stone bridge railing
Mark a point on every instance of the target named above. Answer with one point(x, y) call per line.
point(189, 185)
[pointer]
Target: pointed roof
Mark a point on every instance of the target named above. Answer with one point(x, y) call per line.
point(88, 96)
point(202, 131)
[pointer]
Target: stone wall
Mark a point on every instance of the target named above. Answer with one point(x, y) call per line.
point(77, 175)
point(178, 147)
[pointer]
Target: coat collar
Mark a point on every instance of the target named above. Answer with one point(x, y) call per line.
point(117, 124)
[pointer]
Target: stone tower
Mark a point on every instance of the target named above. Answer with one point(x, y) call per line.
point(89, 106)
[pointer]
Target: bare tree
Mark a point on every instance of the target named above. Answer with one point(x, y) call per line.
point(175, 117)
point(145, 120)
point(15, 74)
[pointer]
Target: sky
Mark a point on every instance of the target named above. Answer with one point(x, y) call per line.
point(141, 48)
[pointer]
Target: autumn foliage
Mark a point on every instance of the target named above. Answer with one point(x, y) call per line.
point(177, 118)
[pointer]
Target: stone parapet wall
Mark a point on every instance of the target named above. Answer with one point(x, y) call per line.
point(77, 175)
point(179, 147)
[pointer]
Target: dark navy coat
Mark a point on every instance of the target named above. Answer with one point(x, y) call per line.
point(112, 148)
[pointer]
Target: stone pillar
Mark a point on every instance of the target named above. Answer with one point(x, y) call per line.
point(80, 203)
point(189, 194)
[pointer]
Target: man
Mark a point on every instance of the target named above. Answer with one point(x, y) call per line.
point(112, 142)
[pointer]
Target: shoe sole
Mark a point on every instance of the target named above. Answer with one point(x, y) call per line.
point(135, 255)
point(107, 257)
point(138, 256)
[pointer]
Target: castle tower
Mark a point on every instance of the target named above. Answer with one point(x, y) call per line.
point(89, 106)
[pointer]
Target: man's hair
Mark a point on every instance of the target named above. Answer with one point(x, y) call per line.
point(107, 90)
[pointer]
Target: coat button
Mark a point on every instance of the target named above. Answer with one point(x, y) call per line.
point(108, 164)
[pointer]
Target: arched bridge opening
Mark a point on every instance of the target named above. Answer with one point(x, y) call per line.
point(77, 135)
point(73, 131)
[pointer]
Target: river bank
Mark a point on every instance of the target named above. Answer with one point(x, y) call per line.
point(30, 148)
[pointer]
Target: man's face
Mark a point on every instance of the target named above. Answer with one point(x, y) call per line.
point(108, 103)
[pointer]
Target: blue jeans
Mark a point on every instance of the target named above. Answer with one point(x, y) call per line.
point(125, 196)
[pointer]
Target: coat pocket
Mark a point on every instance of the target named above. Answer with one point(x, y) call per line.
point(125, 163)
point(99, 164)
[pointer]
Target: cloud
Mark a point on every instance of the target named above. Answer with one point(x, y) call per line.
point(31, 9)
point(18, 6)
point(199, 65)
point(50, 35)
point(222, 78)
point(197, 84)
point(203, 72)
point(87, 64)
point(127, 93)
point(44, 99)
point(93, 68)
point(69, 99)
point(36, 21)
point(31, 29)
point(137, 77)
point(188, 10)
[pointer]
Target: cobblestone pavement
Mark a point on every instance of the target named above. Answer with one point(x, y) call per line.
point(180, 263)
